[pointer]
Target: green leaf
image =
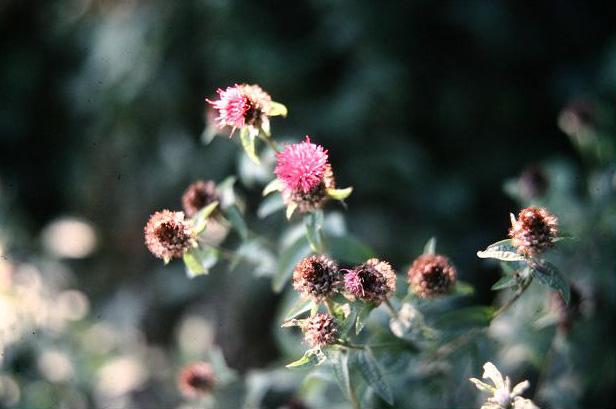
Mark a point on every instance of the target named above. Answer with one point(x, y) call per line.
point(312, 357)
point(348, 321)
point(291, 209)
point(549, 275)
point(301, 306)
point(340, 364)
point(500, 252)
point(430, 247)
point(313, 222)
point(287, 261)
point(237, 221)
point(505, 281)
point(339, 194)
point(275, 185)
point(468, 317)
point(248, 137)
point(199, 261)
point(200, 219)
point(270, 205)
point(373, 374)
point(349, 249)
point(276, 109)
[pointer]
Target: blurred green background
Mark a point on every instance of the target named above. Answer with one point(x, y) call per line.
point(426, 108)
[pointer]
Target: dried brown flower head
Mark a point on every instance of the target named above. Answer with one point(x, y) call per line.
point(315, 276)
point(168, 235)
point(431, 275)
point(534, 231)
point(198, 195)
point(320, 330)
point(196, 380)
point(373, 282)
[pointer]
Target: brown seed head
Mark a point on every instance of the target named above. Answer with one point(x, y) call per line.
point(320, 330)
point(534, 231)
point(431, 275)
point(196, 380)
point(315, 276)
point(168, 235)
point(198, 195)
point(373, 282)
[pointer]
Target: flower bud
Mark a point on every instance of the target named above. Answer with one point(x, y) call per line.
point(373, 282)
point(534, 231)
point(196, 380)
point(320, 330)
point(315, 276)
point(168, 235)
point(431, 275)
point(198, 195)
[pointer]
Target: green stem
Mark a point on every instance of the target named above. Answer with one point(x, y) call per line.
point(272, 144)
point(330, 306)
point(349, 345)
point(391, 310)
point(513, 299)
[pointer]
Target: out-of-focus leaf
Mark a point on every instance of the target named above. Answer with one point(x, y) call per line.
point(430, 247)
point(463, 288)
point(348, 322)
point(373, 374)
point(313, 222)
point(287, 261)
point(301, 306)
point(340, 364)
point(226, 192)
point(362, 315)
point(276, 108)
point(273, 186)
point(199, 261)
point(505, 281)
point(237, 221)
point(248, 139)
point(549, 275)
point(339, 194)
point(269, 206)
point(313, 357)
point(475, 316)
point(224, 374)
point(200, 219)
point(349, 249)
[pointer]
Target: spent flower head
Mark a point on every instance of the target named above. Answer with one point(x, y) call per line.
point(431, 275)
point(315, 276)
point(373, 281)
point(196, 380)
point(534, 231)
point(503, 396)
point(242, 105)
point(198, 195)
point(320, 330)
point(168, 235)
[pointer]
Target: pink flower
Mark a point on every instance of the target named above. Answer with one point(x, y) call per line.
point(302, 166)
point(241, 105)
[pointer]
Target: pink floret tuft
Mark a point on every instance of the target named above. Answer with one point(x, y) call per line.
point(301, 166)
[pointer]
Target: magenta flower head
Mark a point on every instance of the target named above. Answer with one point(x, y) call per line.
point(305, 175)
point(168, 235)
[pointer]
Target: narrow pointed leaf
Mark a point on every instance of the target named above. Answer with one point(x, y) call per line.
point(200, 219)
point(276, 109)
point(237, 221)
point(340, 364)
point(290, 210)
point(270, 205)
point(505, 281)
point(313, 357)
point(275, 185)
point(301, 306)
point(430, 247)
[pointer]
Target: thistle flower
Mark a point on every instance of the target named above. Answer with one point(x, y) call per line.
point(305, 174)
point(242, 105)
point(534, 231)
point(315, 276)
point(503, 397)
point(320, 330)
point(431, 275)
point(168, 235)
point(373, 282)
point(198, 195)
point(196, 380)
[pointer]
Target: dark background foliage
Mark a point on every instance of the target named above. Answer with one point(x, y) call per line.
point(425, 107)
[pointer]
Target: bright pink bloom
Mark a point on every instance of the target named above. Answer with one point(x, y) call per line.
point(301, 166)
point(241, 105)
